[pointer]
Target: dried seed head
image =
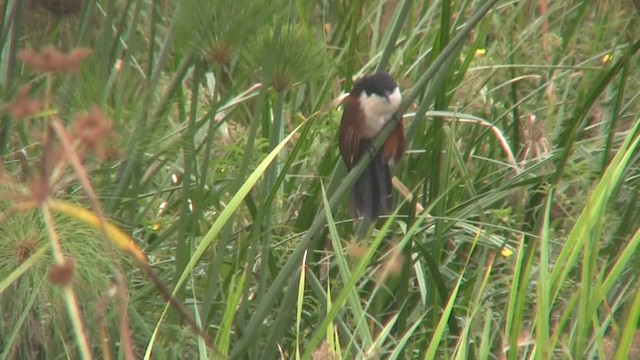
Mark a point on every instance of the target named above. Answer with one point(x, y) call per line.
point(391, 267)
point(299, 58)
point(51, 59)
point(76, 57)
point(62, 274)
point(281, 81)
point(92, 130)
point(48, 60)
point(25, 248)
point(356, 250)
point(220, 53)
point(23, 106)
point(324, 352)
point(39, 189)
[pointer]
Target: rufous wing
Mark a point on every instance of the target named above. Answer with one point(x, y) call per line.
point(349, 135)
point(394, 147)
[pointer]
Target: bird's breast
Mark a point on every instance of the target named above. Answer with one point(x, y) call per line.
point(373, 125)
point(377, 111)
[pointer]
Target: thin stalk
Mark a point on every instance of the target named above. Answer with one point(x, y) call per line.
point(542, 288)
point(15, 33)
point(140, 126)
point(133, 150)
point(353, 38)
point(87, 21)
point(183, 245)
point(615, 111)
point(268, 68)
point(227, 232)
point(111, 35)
point(209, 143)
point(439, 159)
point(253, 131)
point(209, 293)
point(390, 44)
point(276, 137)
point(152, 35)
point(69, 296)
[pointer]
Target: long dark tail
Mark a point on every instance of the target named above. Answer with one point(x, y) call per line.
point(371, 195)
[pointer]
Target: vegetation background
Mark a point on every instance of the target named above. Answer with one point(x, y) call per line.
point(171, 185)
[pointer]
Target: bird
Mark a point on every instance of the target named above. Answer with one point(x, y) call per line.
point(371, 103)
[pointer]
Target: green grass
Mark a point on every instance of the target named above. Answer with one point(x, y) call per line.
point(518, 241)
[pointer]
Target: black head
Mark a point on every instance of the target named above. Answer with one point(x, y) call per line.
point(381, 84)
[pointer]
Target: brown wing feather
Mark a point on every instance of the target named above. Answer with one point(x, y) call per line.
point(394, 147)
point(349, 138)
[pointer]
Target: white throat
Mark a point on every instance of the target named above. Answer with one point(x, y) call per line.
point(378, 110)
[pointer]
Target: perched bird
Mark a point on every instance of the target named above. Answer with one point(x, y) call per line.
point(372, 102)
